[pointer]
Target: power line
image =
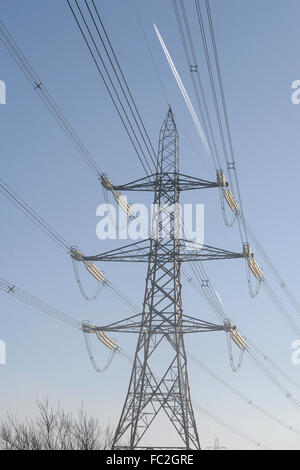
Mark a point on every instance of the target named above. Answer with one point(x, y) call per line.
point(241, 395)
point(109, 84)
point(13, 197)
point(143, 134)
point(227, 426)
point(17, 201)
point(162, 87)
point(194, 70)
point(267, 359)
point(231, 166)
point(209, 414)
point(42, 91)
point(45, 227)
point(12, 290)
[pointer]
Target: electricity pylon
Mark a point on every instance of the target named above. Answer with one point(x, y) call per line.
point(216, 446)
point(162, 324)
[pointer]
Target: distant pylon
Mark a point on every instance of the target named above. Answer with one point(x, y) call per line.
point(216, 446)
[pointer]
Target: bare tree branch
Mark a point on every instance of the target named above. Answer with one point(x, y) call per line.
point(54, 429)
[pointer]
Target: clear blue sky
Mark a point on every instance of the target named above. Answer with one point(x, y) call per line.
point(259, 57)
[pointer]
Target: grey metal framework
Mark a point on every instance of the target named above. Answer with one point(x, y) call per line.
point(139, 252)
point(161, 325)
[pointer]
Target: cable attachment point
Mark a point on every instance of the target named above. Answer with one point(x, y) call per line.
point(87, 328)
point(95, 272)
point(221, 179)
point(106, 340)
point(236, 337)
point(106, 183)
point(231, 201)
point(103, 337)
point(253, 265)
point(91, 268)
point(76, 254)
point(227, 193)
point(120, 199)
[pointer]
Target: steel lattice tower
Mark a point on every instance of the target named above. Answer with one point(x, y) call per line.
point(161, 325)
point(162, 303)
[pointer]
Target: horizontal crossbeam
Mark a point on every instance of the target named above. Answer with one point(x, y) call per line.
point(139, 252)
point(181, 182)
point(159, 325)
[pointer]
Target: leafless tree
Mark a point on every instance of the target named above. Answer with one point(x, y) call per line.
point(54, 429)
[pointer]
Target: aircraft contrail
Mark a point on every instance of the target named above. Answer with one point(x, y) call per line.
point(183, 91)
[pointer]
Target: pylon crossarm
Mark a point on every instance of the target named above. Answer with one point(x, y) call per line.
point(192, 251)
point(139, 252)
point(199, 326)
point(123, 325)
point(181, 182)
point(159, 325)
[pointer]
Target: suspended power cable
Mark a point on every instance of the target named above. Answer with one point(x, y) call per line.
point(12, 196)
point(210, 294)
point(233, 161)
point(183, 91)
point(111, 355)
point(241, 395)
point(252, 350)
point(276, 274)
point(80, 286)
point(272, 378)
point(133, 107)
point(17, 201)
point(124, 298)
point(52, 233)
point(274, 366)
point(251, 264)
point(203, 109)
point(12, 290)
point(52, 106)
point(229, 427)
point(194, 70)
point(247, 227)
point(231, 165)
point(202, 285)
point(7, 287)
point(45, 96)
point(162, 87)
point(201, 282)
point(281, 308)
point(96, 55)
point(211, 415)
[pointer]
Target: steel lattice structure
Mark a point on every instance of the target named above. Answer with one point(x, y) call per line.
point(162, 325)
